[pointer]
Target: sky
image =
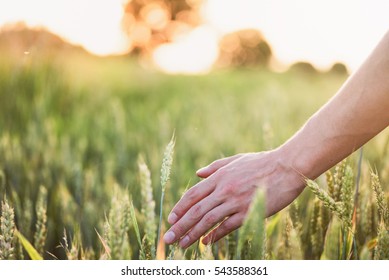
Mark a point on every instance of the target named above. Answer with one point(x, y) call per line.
point(321, 32)
point(318, 31)
point(94, 24)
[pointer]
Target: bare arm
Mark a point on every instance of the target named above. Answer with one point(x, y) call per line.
point(358, 112)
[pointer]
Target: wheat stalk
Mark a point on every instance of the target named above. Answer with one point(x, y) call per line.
point(330, 184)
point(7, 231)
point(40, 226)
point(338, 179)
point(329, 202)
point(317, 236)
point(346, 193)
point(148, 207)
point(285, 246)
point(252, 234)
point(175, 252)
point(382, 248)
point(380, 198)
point(167, 162)
point(295, 217)
point(117, 226)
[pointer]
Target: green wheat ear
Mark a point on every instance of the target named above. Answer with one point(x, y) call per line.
point(380, 199)
point(148, 207)
point(117, 226)
point(7, 231)
point(252, 234)
point(347, 194)
point(336, 207)
point(41, 223)
point(316, 226)
point(338, 179)
point(330, 183)
point(285, 249)
point(175, 253)
point(294, 214)
point(382, 248)
point(167, 162)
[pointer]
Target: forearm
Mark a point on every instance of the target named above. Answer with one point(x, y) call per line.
point(358, 112)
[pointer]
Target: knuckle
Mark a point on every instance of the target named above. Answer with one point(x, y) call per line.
point(227, 226)
point(193, 235)
point(228, 188)
point(218, 198)
point(210, 219)
point(179, 229)
point(232, 223)
point(213, 164)
point(178, 210)
point(222, 172)
point(191, 193)
point(237, 204)
point(211, 180)
point(196, 212)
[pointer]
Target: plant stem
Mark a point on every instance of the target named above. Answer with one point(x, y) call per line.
point(160, 217)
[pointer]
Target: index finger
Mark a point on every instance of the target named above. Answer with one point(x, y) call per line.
point(190, 198)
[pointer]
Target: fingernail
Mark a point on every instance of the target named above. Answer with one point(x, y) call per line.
point(169, 237)
point(184, 241)
point(172, 218)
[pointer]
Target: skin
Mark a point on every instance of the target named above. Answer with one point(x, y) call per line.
point(358, 112)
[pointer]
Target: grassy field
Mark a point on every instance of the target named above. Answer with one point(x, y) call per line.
point(73, 129)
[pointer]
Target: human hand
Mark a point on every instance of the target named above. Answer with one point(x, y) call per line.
point(224, 196)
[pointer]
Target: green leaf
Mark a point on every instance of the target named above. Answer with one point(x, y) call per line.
point(135, 223)
point(106, 247)
point(34, 255)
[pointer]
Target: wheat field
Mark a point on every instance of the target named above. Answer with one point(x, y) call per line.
point(94, 152)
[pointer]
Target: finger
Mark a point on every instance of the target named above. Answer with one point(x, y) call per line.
point(190, 198)
point(226, 227)
point(209, 220)
point(191, 217)
point(216, 165)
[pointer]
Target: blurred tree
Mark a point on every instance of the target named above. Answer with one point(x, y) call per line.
point(150, 23)
point(244, 48)
point(339, 69)
point(17, 39)
point(303, 67)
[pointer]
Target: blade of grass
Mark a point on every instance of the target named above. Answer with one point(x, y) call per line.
point(135, 223)
point(106, 247)
point(34, 255)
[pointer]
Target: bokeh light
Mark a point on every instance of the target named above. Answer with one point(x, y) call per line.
point(195, 52)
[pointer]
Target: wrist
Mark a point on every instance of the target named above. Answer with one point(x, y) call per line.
point(300, 156)
point(292, 169)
